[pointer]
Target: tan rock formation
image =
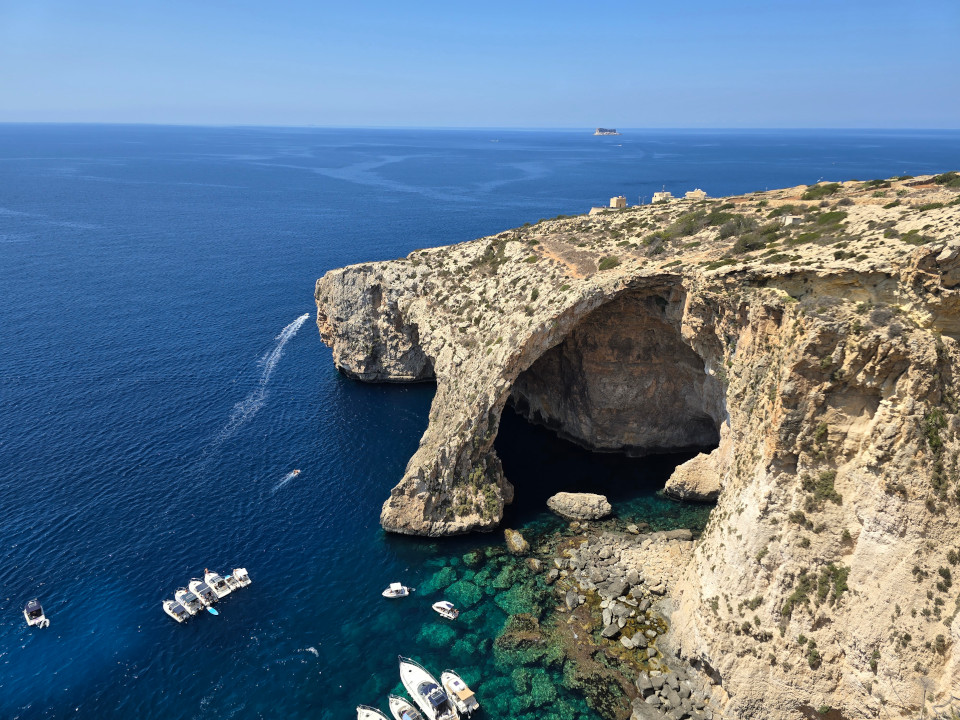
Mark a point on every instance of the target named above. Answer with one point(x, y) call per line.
point(697, 479)
point(580, 506)
point(817, 359)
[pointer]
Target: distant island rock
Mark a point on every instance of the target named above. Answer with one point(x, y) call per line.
point(606, 131)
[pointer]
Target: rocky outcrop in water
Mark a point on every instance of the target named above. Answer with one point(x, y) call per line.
point(812, 363)
point(579, 506)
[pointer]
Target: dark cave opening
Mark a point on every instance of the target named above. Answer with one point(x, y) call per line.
point(612, 409)
point(541, 464)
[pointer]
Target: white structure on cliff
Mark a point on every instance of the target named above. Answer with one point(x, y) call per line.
point(618, 202)
point(697, 194)
point(662, 196)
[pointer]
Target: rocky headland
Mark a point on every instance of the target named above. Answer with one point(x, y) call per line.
point(803, 340)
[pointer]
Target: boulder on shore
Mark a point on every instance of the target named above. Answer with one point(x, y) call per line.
point(580, 506)
point(697, 479)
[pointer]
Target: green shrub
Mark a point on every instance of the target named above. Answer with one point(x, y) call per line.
point(737, 225)
point(913, 237)
point(831, 218)
point(799, 594)
point(933, 423)
point(608, 262)
point(950, 179)
point(816, 192)
point(748, 243)
point(785, 210)
point(822, 489)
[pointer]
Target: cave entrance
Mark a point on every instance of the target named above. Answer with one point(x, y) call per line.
point(613, 408)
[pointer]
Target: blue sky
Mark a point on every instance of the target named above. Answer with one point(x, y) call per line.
point(743, 63)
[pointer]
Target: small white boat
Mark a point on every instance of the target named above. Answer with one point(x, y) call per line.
point(402, 709)
point(296, 472)
point(239, 576)
point(207, 596)
point(426, 691)
point(457, 689)
point(365, 712)
point(397, 590)
point(189, 600)
point(33, 613)
point(175, 610)
point(446, 609)
point(216, 583)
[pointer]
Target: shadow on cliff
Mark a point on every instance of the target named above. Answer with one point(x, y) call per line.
point(540, 464)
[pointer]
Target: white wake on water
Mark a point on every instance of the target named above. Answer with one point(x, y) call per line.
point(251, 404)
point(286, 478)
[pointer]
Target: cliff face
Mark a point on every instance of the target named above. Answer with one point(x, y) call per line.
point(813, 363)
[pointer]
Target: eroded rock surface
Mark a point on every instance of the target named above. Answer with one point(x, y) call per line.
point(813, 364)
point(580, 506)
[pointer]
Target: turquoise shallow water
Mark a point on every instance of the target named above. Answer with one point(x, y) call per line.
point(158, 386)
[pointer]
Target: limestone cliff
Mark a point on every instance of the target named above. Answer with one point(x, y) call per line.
point(810, 358)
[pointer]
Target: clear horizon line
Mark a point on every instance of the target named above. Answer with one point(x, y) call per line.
point(516, 128)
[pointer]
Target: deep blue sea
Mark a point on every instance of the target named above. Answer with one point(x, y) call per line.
point(161, 375)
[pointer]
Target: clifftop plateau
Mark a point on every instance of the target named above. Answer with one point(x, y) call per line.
point(803, 339)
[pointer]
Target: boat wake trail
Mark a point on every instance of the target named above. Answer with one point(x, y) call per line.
point(251, 404)
point(286, 478)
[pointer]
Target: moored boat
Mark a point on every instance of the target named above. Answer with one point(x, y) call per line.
point(365, 712)
point(458, 691)
point(426, 691)
point(33, 613)
point(403, 709)
point(175, 610)
point(446, 609)
point(216, 583)
point(397, 590)
point(240, 577)
point(207, 596)
point(189, 600)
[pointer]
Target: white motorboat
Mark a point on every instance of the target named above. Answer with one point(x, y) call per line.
point(365, 712)
point(457, 689)
point(216, 583)
point(402, 709)
point(189, 600)
point(206, 594)
point(397, 590)
point(426, 691)
point(446, 609)
point(33, 613)
point(175, 610)
point(238, 577)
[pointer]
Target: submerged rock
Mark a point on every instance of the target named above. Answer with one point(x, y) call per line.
point(580, 506)
point(516, 543)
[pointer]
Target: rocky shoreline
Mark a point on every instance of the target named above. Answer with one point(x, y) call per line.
point(612, 619)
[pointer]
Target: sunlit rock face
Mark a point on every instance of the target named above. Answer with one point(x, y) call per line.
point(815, 363)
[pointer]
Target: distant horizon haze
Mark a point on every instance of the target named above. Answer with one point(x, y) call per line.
point(742, 64)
